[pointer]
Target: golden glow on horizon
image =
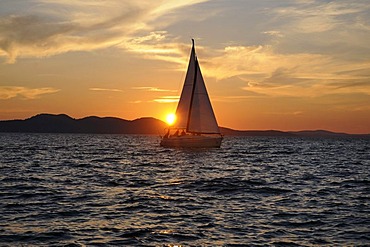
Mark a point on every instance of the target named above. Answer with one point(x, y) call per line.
point(170, 119)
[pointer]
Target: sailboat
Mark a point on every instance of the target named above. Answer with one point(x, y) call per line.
point(196, 125)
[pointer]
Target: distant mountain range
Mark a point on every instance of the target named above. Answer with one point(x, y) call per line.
point(50, 123)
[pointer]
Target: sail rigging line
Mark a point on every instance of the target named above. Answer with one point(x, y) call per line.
point(193, 89)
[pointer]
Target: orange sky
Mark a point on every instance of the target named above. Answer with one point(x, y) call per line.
point(294, 65)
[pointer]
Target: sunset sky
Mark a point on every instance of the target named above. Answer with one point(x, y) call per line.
point(267, 64)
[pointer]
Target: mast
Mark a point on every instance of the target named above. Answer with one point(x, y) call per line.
point(193, 89)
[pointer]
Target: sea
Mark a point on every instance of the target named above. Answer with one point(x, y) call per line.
point(126, 190)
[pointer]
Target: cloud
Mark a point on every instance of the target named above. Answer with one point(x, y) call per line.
point(8, 92)
point(326, 27)
point(33, 36)
point(153, 89)
point(317, 16)
point(105, 89)
point(162, 99)
point(265, 71)
point(236, 98)
point(167, 99)
point(158, 45)
point(274, 33)
point(56, 27)
point(309, 48)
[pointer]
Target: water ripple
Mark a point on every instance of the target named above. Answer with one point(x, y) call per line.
point(116, 190)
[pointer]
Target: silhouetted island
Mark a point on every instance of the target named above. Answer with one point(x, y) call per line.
point(62, 123)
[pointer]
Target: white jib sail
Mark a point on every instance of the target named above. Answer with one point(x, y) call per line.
point(202, 118)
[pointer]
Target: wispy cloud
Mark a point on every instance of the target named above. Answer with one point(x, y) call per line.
point(163, 99)
point(320, 16)
point(157, 45)
point(153, 89)
point(156, 91)
point(274, 33)
point(56, 27)
point(311, 45)
point(267, 71)
point(325, 27)
point(236, 98)
point(8, 92)
point(167, 99)
point(105, 89)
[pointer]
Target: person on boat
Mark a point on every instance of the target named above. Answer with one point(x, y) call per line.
point(183, 133)
point(167, 134)
point(176, 133)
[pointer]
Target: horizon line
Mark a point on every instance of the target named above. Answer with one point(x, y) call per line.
point(241, 130)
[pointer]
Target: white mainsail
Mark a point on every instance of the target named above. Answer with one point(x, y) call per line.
point(194, 111)
point(183, 107)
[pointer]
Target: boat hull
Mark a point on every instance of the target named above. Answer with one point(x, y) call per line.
point(192, 141)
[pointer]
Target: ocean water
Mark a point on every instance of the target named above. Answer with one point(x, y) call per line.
point(120, 190)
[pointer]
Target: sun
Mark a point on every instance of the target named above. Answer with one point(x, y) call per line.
point(170, 118)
